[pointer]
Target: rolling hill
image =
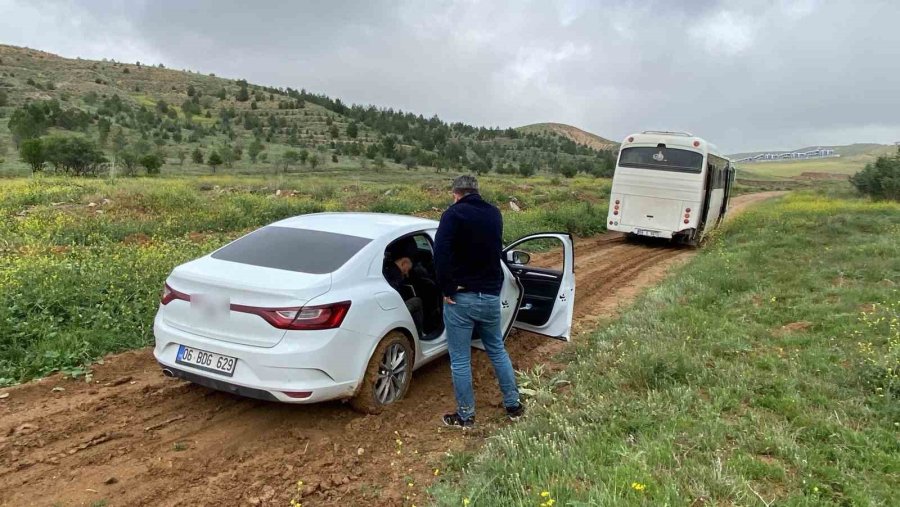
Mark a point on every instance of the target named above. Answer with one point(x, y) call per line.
point(574, 133)
point(185, 117)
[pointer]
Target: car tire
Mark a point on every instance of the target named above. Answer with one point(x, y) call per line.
point(382, 385)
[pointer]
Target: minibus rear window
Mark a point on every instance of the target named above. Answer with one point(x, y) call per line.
point(662, 159)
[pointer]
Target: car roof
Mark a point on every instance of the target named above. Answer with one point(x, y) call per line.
point(364, 225)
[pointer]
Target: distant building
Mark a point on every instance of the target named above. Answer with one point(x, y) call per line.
point(791, 155)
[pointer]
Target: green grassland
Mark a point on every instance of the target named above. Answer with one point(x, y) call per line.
point(82, 261)
point(764, 372)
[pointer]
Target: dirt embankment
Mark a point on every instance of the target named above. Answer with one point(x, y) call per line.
point(133, 437)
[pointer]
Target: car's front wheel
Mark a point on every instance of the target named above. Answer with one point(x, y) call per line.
point(387, 376)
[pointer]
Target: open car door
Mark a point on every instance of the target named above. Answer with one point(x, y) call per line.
point(544, 265)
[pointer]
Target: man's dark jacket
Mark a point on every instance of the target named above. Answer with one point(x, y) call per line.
point(467, 247)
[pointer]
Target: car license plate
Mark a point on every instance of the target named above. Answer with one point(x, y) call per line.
point(209, 361)
point(647, 232)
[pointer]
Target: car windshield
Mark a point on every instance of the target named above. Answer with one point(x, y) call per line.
point(662, 159)
point(291, 249)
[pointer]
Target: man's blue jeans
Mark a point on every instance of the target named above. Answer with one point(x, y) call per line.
point(479, 314)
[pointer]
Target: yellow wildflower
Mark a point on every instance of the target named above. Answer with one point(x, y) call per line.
point(637, 486)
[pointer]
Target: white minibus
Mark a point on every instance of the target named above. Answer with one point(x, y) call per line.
point(669, 185)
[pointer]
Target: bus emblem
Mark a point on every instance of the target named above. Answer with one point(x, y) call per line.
point(659, 157)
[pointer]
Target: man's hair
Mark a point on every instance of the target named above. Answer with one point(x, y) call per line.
point(465, 184)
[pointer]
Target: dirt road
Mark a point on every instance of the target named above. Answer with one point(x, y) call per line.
point(133, 437)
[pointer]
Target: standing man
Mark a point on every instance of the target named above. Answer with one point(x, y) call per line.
point(467, 253)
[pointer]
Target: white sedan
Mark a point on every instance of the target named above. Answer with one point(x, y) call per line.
point(299, 311)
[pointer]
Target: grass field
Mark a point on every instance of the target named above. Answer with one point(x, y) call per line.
point(764, 372)
point(82, 261)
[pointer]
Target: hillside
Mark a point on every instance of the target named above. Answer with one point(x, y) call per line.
point(569, 132)
point(131, 111)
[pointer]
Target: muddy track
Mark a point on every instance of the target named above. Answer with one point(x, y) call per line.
point(134, 437)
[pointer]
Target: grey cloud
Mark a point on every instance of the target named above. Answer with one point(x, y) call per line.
point(745, 74)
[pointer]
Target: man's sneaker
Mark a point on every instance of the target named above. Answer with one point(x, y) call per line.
point(515, 412)
point(455, 421)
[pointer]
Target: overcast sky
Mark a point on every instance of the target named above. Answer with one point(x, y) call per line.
point(747, 75)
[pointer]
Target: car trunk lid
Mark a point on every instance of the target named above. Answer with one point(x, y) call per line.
point(216, 286)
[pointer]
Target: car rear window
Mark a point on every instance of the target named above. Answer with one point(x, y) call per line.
point(290, 249)
point(662, 159)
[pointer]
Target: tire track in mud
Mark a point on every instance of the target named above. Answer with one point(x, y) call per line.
point(134, 437)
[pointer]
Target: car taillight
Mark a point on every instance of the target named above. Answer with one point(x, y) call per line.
point(306, 318)
point(169, 294)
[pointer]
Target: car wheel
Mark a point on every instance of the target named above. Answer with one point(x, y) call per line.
point(387, 376)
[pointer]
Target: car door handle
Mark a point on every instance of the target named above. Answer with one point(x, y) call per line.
point(541, 275)
point(528, 306)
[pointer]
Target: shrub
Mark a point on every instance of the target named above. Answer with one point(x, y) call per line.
point(152, 162)
point(881, 179)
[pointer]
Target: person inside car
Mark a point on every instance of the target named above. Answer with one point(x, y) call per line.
point(396, 273)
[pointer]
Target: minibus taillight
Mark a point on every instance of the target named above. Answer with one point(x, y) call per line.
point(696, 144)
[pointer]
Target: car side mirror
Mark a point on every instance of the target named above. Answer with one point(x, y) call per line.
point(518, 257)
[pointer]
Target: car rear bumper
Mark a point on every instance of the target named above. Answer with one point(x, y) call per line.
point(292, 366)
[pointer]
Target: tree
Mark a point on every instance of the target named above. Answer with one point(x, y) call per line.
point(313, 161)
point(334, 132)
point(409, 162)
point(129, 160)
point(227, 154)
point(152, 162)
point(214, 160)
point(221, 94)
point(304, 156)
point(243, 95)
point(118, 141)
point(182, 155)
point(197, 156)
point(191, 91)
point(4, 98)
point(255, 148)
point(352, 130)
point(289, 158)
point(103, 126)
point(31, 151)
point(388, 145)
point(76, 155)
point(378, 163)
point(28, 122)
